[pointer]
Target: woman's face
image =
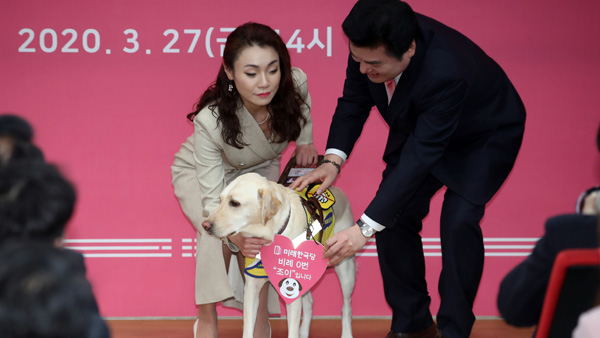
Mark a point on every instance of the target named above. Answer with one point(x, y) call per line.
point(256, 74)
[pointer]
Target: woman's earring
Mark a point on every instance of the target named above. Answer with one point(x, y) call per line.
point(230, 87)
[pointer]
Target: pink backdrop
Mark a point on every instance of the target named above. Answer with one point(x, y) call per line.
point(107, 85)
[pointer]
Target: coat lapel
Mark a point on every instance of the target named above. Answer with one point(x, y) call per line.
point(254, 136)
point(399, 113)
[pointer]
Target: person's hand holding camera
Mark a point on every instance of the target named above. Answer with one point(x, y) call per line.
point(589, 202)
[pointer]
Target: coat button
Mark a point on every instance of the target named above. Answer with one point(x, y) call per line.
point(242, 164)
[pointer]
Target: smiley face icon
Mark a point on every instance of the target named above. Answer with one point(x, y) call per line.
point(290, 288)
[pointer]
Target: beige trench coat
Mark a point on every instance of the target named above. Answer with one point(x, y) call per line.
point(202, 168)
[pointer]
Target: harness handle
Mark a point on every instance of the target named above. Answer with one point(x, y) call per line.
point(315, 211)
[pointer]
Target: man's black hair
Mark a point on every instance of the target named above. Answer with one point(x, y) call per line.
point(388, 23)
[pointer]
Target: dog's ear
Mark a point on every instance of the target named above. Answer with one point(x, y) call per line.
point(299, 286)
point(281, 282)
point(270, 204)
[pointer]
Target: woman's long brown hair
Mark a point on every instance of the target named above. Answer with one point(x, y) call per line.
point(286, 112)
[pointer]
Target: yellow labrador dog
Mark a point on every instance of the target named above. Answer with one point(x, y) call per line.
point(255, 207)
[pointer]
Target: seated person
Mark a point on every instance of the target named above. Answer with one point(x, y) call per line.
point(44, 294)
point(522, 291)
point(36, 203)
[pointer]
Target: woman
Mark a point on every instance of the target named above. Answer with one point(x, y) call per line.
point(242, 123)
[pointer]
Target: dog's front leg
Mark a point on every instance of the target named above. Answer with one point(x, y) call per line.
point(251, 299)
point(346, 272)
point(307, 312)
point(293, 317)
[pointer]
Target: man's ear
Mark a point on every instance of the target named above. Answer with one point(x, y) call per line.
point(269, 204)
point(412, 49)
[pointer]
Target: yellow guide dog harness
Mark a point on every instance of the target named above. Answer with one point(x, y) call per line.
point(313, 204)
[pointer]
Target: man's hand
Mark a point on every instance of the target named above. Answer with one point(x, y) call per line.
point(249, 246)
point(306, 155)
point(325, 173)
point(344, 244)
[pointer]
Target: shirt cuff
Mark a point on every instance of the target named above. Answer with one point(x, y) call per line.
point(372, 223)
point(337, 152)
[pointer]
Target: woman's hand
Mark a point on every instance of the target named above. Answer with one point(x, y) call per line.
point(249, 246)
point(306, 155)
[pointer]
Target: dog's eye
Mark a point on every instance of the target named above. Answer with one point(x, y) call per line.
point(234, 204)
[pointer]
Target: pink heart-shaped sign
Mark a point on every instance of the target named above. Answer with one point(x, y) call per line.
point(293, 271)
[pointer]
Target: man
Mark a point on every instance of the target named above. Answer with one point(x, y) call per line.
point(456, 121)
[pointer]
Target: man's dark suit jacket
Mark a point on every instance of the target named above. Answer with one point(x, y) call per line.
point(454, 114)
point(522, 291)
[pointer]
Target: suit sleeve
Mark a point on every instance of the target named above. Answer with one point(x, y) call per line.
point(438, 108)
point(300, 80)
point(522, 291)
point(352, 110)
point(208, 162)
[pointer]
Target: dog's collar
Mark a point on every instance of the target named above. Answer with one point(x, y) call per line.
point(285, 224)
